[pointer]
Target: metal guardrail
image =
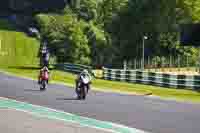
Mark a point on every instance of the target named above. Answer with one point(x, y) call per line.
point(151, 78)
point(75, 68)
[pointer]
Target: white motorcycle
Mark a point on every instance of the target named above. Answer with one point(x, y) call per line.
point(83, 87)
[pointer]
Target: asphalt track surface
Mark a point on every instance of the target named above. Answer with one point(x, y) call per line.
point(21, 122)
point(148, 114)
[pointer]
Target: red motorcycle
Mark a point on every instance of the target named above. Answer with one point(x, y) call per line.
point(44, 80)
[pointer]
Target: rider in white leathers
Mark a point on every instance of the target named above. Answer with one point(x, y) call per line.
point(83, 73)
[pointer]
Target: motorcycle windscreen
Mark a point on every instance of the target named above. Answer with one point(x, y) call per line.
point(85, 79)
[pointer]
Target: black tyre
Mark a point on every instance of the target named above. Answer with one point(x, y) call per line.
point(79, 97)
point(43, 85)
point(84, 93)
point(84, 97)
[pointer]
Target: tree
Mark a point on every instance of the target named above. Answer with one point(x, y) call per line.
point(115, 28)
point(66, 35)
point(88, 9)
point(157, 19)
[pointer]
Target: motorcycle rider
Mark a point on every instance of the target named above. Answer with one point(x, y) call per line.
point(46, 59)
point(44, 54)
point(83, 73)
point(42, 71)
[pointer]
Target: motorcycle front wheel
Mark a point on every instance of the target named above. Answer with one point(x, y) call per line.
point(84, 92)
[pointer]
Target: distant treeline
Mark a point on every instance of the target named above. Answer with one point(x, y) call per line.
point(28, 6)
point(108, 32)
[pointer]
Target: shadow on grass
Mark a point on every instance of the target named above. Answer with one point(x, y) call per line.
point(27, 67)
point(197, 90)
point(7, 25)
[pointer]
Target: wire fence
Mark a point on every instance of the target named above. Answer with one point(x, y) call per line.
point(161, 62)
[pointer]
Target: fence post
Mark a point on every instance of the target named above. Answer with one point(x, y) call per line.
point(125, 64)
point(148, 64)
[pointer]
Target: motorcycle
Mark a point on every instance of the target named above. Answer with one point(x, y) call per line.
point(82, 89)
point(44, 81)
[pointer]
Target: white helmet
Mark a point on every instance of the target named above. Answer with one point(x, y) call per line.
point(85, 71)
point(45, 68)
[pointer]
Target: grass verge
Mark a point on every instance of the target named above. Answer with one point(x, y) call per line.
point(16, 48)
point(121, 87)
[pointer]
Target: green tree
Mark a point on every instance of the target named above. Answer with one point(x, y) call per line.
point(66, 35)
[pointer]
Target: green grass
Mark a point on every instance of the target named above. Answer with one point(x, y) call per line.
point(183, 95)
point(16, 48)
point(18, 55)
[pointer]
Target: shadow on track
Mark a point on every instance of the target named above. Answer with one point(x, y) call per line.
point(69, 99)
point(25, 67)
point(31, 90)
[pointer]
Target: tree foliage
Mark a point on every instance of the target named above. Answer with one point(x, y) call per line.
point(103, 32)
point(66, 34)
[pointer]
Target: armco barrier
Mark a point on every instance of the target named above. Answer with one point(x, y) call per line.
point(75, 68)
point(150, 78)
